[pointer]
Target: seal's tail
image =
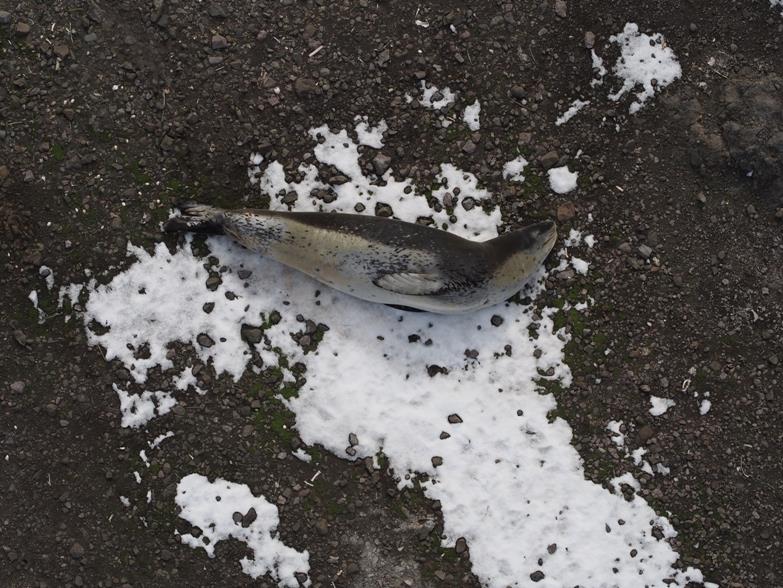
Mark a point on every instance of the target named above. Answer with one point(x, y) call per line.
point(195, 217)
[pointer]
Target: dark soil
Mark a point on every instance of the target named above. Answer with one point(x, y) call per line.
point(111, 110)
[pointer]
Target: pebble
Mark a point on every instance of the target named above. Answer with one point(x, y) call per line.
point(219, 42)
point(566, 211)
point(5, 17)
point(537, 576)
point(381, 163)
point(252, 335)
point(646, 433)
point(437, 461)
point(518, 92)
point(22, 29)
point(4, 172)
point(77, 551)
point(561, 8)
point(205, 340)
point(18, 387)
point(61, 51)
point(496, 320)
point(549, 159)
point(645, 251)
point(469, 147)
point(244, 274)
point(701, 197)
point(589, 39)
point(305, 87)
point(216, 10)
point(461, 546)
point(454, 419)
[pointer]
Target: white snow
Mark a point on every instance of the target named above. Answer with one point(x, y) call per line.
point(125, 501)
point(138, 409)
point(576, 106)
point(598, 69)
point(33, 297)
point(512, 170)
point(579, 265)
point(160, 439)
point(574, 238)
point(618, 438)
point(562, 180)
point(643, 58)
point(426, 100)
point(704, 407)
point(510, 482)
point(211, 507)
point(775, 3)
point(302, 455)
point(370, 136)
point(662, 469)
point(48, 275)
point(660, 405)
point(471, 116)
point(589, 241)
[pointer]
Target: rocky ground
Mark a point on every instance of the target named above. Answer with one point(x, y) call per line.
point(111, 110)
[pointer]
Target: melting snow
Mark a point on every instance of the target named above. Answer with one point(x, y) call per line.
point(643, 58)
point(660, 405)
point(211, 507)
point(429, 99)
point(561, 180)
point(576, 106)
point(471, 116)
point(506, 476)
point(370, 136)
point(704, 407)
point(512, 170)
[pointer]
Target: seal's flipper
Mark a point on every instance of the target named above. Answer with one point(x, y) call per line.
point(412, 284)
point(197, 218)
point(405, 308)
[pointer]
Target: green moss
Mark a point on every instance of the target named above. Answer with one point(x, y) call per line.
point(58, 152)
point(139, 177)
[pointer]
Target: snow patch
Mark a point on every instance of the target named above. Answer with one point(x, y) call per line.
point(512, 170)
point(704, 407)
point(576, 106)
point(660, 405)
point(211, 507)
point(471, 116)
point(370, 136)
point(48, 275)
point(643, 58)
point(430, 100)
point(562, 180)
point(138, 409)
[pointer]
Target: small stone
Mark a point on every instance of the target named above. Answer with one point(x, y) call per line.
point(353, 439)
point(4, 173)
point(454, 419)
point(469, 147)
point(205, 340)
point(549, 159)
point(461, 546)
point(646, 433)
point(444, 435)
point(751, 210)
point(437, 461)
point(518, 92)
point(77, 551)
point(249, 518)
point(692, 27)
point(589, 39)
point(773, 359)
point(22, 29)
point(5, 17)
point(90, 38)
point(383, 209)
point(213, 282)
point(381, 163)
point(252, 335)
point(216, 10)
point(645, 251)
point(219, 42)
point(537, 576)
point(305, 87)
point(61, 51)
point(566, 211)
point(301, 577)
point(496, 320)
point(778, 212)
point(215, 59)
point(322, 526)
point(244, 274)
point(701, 197)
point(166, 555)
point(561, 8)
point(17, 387)
point(208, 307)
point(551, 548)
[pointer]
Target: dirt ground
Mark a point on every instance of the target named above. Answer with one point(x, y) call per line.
point(110, 110)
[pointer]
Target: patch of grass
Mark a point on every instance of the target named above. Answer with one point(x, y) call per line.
point(58, 152)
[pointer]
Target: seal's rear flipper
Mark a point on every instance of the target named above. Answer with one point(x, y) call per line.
point(197, 218)
point(405, 308)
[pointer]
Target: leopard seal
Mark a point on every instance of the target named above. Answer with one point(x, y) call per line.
point(400, 264)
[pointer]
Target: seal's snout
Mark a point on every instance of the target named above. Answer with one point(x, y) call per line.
point(545, 232)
